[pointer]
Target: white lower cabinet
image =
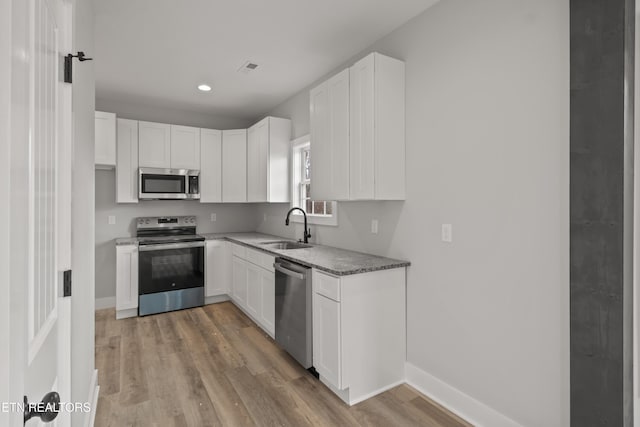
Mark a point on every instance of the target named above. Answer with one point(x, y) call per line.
point(239, 295)
point(254, 290)
point(326, 342)
point(359, 329)
point(268, 309)
point(254, 285)
point(126, 281)
point(217, 271)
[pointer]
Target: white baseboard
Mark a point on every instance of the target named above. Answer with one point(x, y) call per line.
point(461, 404)
point(107, 302)
point(94, 391)
point(216, 299)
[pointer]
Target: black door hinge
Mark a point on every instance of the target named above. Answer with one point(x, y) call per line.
point(68, 65)
point(66, 283)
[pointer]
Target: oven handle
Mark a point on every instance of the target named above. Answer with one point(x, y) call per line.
point(165, 246)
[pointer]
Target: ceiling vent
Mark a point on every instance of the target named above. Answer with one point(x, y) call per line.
point(247, 67)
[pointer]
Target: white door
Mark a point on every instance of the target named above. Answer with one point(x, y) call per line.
point(254, 290)
point(257, 161)
point(234, 165)
point(185, 147)
point(154, 145)
point(36, 322)
point(210, 166)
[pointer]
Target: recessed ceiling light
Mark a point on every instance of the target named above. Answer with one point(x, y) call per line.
point(204, 88)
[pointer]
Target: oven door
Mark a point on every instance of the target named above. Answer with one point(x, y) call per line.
point(171, 277)
point(163, 184)
point(170, 267)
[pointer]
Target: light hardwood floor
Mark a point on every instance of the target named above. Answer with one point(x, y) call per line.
point(213, 366)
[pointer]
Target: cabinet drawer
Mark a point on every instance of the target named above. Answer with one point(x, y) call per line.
point(253, 256)
point(326, 285)
point(259, 258)
point(239, 250)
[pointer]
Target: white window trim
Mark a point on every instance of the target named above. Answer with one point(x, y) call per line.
point(296, 216)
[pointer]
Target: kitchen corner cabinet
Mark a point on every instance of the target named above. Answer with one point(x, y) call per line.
point(359, 329)
point(105, 140)
point(254, 285)
point(210, 166)
point(154, 145)
point(358, 132)
point(127, 161)
point(268, 146)
point(329, 123)
point(126, 281)
point(185, 147)
point(234, 165)
point(217, 268)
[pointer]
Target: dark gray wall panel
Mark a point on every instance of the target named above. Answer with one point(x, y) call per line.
point(601, 43)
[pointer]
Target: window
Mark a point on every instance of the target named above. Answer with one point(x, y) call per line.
point(318, 211)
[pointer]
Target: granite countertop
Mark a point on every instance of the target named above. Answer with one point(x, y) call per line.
point(339, 262)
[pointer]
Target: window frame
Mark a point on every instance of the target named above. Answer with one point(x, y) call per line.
point(298, 145)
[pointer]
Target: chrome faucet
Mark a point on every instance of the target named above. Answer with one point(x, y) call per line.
point(307, 232)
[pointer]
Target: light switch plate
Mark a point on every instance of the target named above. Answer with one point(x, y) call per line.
point(374, 226)
point(112, 219)
point(213, 217)
point(447, 233)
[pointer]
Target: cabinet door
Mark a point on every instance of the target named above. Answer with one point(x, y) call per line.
point(126, 277)
point(239, 267)
point(127, 161)
point(154, 145)
point(257, 161)
point(254, 290)
point(330, 139)
point(327, 339)
point(217, 268)
point(210, 166)
point(362, 138)
point(320, 144)
point(268, 316)
point(185, 147)
point(105, 139)
point(234, 165)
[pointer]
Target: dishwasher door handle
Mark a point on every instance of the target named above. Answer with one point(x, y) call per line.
point(288, 272)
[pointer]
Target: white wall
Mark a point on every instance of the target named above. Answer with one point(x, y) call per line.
point(166, 114)
point(82, 302)
point(229, 217)
point(487, 100)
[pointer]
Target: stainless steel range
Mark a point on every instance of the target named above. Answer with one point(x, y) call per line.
point(171, 264)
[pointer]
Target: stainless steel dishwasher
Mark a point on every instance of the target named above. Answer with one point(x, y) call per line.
point(293, 310)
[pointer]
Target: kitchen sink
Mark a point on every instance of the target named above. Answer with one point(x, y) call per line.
point(285, 244)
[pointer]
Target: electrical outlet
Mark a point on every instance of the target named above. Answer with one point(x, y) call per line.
point(447, 233)
point(374, 226)
point(213, 217)
point(112, 219)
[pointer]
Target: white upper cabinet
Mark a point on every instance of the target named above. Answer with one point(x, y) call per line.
point(154, 145)
point(234, 165)
point(210, 166)
point(358, 132)
point(377, 123)
point(185, 147)
point(127, 161)
point(329, 123)
point(105, 140)
point(268, 160)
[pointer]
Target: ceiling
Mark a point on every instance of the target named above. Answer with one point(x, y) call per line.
point(158, 51)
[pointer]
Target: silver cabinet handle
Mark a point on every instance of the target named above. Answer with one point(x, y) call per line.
point(288, 272)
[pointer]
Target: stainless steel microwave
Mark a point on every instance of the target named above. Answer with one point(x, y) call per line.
point(171, 184)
